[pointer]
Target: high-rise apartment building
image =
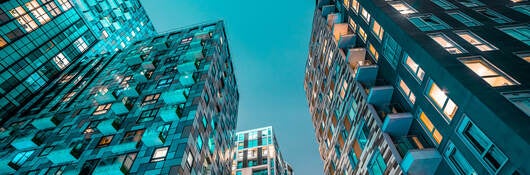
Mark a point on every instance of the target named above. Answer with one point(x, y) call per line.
point(421, 86)
point(257, 153)
point(166, 104)
point(39, 39)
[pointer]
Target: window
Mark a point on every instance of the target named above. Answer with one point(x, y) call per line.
point(35, 81)
point(481, 145)
point(429, 127)
point(444, 4)
point(15, 34)
point(105, 141)
point(150, 99)
point(80, 44)
point(448, 44)
point(352, 23)
point(2, 42)
point(365, 15)
point(46, 151)
point(362, 34)
point(470, 3)
point(38, 12)
point(475, 40)
point(377, 165)
point(52, 8)
point(428, 23)
point(102, 109)
point(162, 83)
point(355, 6)
point(391, 51)
point(65, 4)
point(24, 19)
point(494, 16)
point(441, 100)
point(61, 61)
point(524, 55)
point(457, 161)
point(20, 158)
point(378, 30)
point(199, 142)
point(374, 52)
point(521, 99)
point(525, 9)
point(133, 136)
point(402, 7)
point(414, 68)
point(406, 91)
point(464, 19)
point(148, 115)
point(189, 159)
point(487, 71)
point(521, 33)
point(159, 154)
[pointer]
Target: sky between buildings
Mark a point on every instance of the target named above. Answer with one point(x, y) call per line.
point(269, 45)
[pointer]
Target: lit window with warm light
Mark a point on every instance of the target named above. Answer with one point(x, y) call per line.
point(352, 24)
point(362, 34)
point(402, 7)
point(102, 109)
point(355, 6)
point(441, 100)
point(61, 61)
point(448, 44)
point(365, 15)
point(38, 11)
point(414, 68)
point(373, 52)
point(405, 90)
point(524, 55)
point(378, 30)
point(487, 71)
point(429, 127)
point(24, 19)
point(476, 41)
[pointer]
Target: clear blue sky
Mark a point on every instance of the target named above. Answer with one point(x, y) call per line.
point(269, 45)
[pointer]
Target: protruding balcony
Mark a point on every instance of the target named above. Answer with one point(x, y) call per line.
point(397, 124)
point(343, 36)
point(149, 65)
point(423, 161)
point(153, 137)
point(109, 126)
point(123, 106)
point(133, 58)
point(103, 96)
point(193, 54)
point(125, 147)
point(28, 142)
point(131, 91)
point(66, 155)
point(46, 122)
point(327, 9)
point(110, 166)
point(364, 70)
point(380, 95)
point(187, 79)
point(140, 76)
point(334, 18)
point(173, 97)
point(170, 113)
point(188, 67)
point(6, 167)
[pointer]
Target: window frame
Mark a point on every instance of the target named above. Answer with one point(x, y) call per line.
point(451, 46)
point(492, 68)
point(441, 108)
point(474, 37)
point(159, 158)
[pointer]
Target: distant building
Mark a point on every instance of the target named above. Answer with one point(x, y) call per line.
point(39, 39)
point(421, 87)
point(257, 153)
point(164, 105)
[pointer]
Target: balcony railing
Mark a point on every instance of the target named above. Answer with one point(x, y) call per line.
point(171, 113)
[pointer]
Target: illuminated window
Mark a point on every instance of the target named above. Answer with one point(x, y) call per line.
point(352, 23)
point(407, 92)
point(525, 9)
point(68, 97)
point(470, 3)
point(521, 33)
point(402, 7)
point(105, 141)
point(102, 109)
point(24, 19)
point(189, 159)
point(444, 4)
point(428, 23)
point(494, 16)
point(61, 61)
point(362, 34)
point(378, 30)
point(524, 55)
point(105, 34)
point(343, 89)
point(133, 136)
point(482, 147)
point(65, 4)
point(150, 99)
point(186, 40)
point(355, 6)
point(159, 154)
point(373, 52)
point(476, 41)
point(80, 44)
point(441, 100)
point(52, 8)
point(448, 44)
point(365, 15)
point(464, 19)
point(429, 127)
point(346, 3)
point(487, 71)
point(148, 115)
point(38, 12)
point(20, 159)
point(2, 42)
point(414, 68)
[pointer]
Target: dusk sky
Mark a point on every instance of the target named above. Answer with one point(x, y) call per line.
point(269, 46)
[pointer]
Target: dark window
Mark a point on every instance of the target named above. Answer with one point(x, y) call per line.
point(148, 115)
point(133, 136)
point(15, 34)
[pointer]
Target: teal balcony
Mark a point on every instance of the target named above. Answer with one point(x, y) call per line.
point(187, 79)
point(149, 65)
point(380, 95)
point(343, 35)
point(418, 156)
point(170, 113)
point(109, 126)
point(364, 70)
point(103, 96)
point(125, 147)
point(188, 67)
point(46, 122)
point(153, 137)
point(110, 166)
point(173, 97)
point(140, 76)
point(133, 58)
point(193, 54)
point(6, 167)
point(123, 106)
point(131, 91)
point(28, 142)
point(397, 124)
point(66, 155)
